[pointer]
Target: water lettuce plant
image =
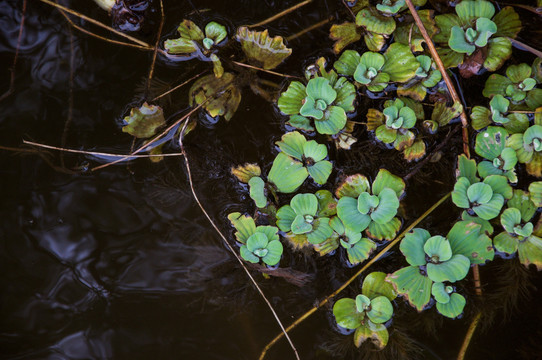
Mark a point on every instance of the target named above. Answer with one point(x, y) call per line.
point(426, 76)
point(518, 235)
point(375, 70)
point(358, 248)
point(258, 243)
point(528, 147)
point(475, 29)
point(301, 218)
point(197, 43)
point(519, 85)
point(261, 49)
point(371, 208)
point(204, 92)
point(500, 160)
point(448, 302)
point(367, 313)
point(144, 121)
point(398, 120)
point(499, 114)
point(323, 101)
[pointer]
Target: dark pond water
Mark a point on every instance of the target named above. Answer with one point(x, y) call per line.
point(121, 263)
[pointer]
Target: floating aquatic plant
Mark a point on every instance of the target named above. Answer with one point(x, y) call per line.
point(498, 114)
point(358, 248)
point(202, 44)
point(371, 208)
point(259, 243)
point(519, 85)
point(474, 31)
point(218, 96)
point(448, 302)
point(518, 233)
point(426, 76)
point(323, 101)
point(528, 147)
point(368, 312)
point(301, 218)
point(375, 70)
point(143, 121)
point(261, 49)
point(500, 160)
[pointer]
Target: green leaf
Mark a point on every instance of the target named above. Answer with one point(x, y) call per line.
point(321, 231)
point(144, 121)
point(467, 168)
point(415, 287)
point(412, 246)
point(319, 89)
point(313, 150)
point(291, 101)
point(386, 231)
point(374, 41)
point(458, 43)
point(459, 194)
point(270, 231)
point(500, 185)
point(375, 285)
point(285, 217)
point(530, 252)
point(387, 207)
point(468, 10)
point(248, 256)
point(320, 171)
point(274, 253)
point(374, 22)
point(506, 243)
point(479, 193)
point(485, 29)
point(261, 49)
point(468, 239)
point(180, 46)
point(486, 226)
point(400, 64)
point(347, 63)
point(381, 310)
point(499, 50)
point(333, 122)
point(244, 225)
point(452, 308)
point(347, 210)
point(300, 225)
point(496, 85)
point(445, 23)
point(292, 144)
point(520, 201)
point(344, 34)
point(204, 92)
point(491, 142)
point(480, 117)
point(215, 31)
point(367, 203)
point(535, 190)
point(327, 205)
point(510, 218)
point(257, 241)
point(452, 270)
point(346, 314)
point(390, 8)
point(287, 174)
point(385, 134)
point(353, 186)
point(305, 204)
point(300, 122)
point(491, 209)
point(438, 248)
point(385, 179)
point(508, 22)
point(440, 293)
point(346, 94)
point(257, 191)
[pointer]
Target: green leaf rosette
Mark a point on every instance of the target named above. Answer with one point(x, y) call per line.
point(262, 246)
point(426, 76)
point(144, 121)
point(398, 120)
point(358, 248)
point(500, 160)
point(449, 303)
point(301, 218)
point(261, 49)
point(528, 147)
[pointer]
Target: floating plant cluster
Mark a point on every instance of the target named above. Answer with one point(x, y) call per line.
point(359, 214)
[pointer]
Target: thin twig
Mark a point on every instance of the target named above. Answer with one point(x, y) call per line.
point(281, 14)
point(468, 336)
point(97, 23)
point(349, 10)
point(230, 248)
point(151, 71)
point(349, 281)
point(309, 29)
point(94, 153)
point(264, 70)
point(535, 10)
point(68, 122)
point(442, 69)
point(116, 42)
point(156, 138)
point(179, 86)
point(11, 88)
point(524, 46)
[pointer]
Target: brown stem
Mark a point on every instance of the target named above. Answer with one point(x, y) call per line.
point(9, 91)
point(468, 336)
point(524, 46)
point(179, 86)
point(442, 69)
point(349, 281)
point(226, 242)
point(155, 52)
point(281, 14)
point(309, 29)
point(68, 122)
point(264, 70)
